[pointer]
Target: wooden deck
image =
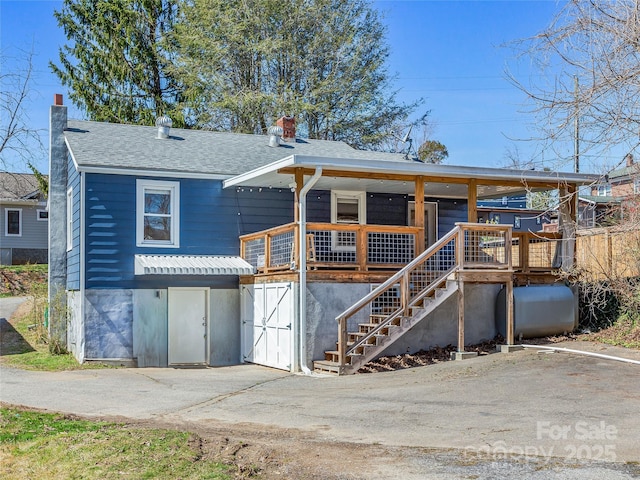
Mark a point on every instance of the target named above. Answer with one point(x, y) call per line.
point(372, 253)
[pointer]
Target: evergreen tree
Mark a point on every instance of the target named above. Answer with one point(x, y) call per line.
point(115, 63)
point(247, 62)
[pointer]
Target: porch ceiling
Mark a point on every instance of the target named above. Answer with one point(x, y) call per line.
point(384, 176)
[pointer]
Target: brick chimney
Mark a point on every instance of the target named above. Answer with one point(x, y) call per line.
point(288, 125)
point(629, 159)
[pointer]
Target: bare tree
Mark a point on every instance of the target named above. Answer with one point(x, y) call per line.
point(590, 59)
point(18, 139)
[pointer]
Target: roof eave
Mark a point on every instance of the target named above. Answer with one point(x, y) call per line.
point(413, 168)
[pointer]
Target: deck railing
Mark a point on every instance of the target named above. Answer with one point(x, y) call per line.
point(331, 246)
point(536, 251)
point(381, 247)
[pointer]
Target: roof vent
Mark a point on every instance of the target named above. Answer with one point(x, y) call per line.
point(275, 133)
point(164, 124)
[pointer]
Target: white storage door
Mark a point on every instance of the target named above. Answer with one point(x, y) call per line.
point(188, 326)
point(267, 324)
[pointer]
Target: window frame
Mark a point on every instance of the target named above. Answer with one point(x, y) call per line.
point(361, 199)
point(517, 222)
point(6, 222)
point(604, 190)
point(636, 186)
point(173, 187)
point(38, 212)
point(70, 219)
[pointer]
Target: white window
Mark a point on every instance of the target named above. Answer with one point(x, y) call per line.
point(516, 221)
point(13, 222)
point(347, 208)
point(604, 190)
point(42, 215)
point(69, 219)
point(157, 214)
point(636, 186)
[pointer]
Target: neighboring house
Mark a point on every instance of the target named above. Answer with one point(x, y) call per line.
point(186, 247)
point(598, 211)
point(613, 198)
point(512, 211)
point(24, 220)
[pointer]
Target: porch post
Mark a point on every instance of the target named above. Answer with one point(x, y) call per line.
point(567, 226)
point(472, 201)
point(419, 197)
point(299, 179)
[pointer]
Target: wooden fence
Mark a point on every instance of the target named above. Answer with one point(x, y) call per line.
point(606, 253)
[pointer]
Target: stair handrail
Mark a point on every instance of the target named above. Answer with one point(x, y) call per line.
point(456, 232)
point(399, 311)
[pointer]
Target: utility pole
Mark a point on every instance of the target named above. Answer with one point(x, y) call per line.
point(576, 129)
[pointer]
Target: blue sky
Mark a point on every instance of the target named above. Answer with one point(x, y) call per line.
point(447, 52)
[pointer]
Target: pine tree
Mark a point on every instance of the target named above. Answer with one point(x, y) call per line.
point(116, 61)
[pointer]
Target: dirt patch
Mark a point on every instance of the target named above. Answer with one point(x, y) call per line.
point(264, 452)
point(21, 281)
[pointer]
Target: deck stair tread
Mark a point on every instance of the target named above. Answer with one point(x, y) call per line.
point(361, 353)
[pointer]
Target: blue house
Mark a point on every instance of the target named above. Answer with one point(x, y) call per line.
point(186, 247)
point(513, 211)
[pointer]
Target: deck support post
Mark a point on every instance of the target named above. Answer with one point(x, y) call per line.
point(509, 301)
point(460, 354)
point(460, 316)
point(509, 347)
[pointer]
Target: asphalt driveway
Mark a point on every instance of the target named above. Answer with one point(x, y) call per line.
point(502, 405)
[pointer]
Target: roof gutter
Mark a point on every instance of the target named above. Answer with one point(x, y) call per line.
point(302, 295)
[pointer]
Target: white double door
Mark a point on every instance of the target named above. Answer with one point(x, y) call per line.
point(267, 324)
point(188, 326)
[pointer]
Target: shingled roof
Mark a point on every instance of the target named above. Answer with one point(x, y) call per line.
point(18, 187)
point(98, 145)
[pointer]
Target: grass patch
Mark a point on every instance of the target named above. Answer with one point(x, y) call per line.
point(42, 445)
point(23, 343)
point(624, 332)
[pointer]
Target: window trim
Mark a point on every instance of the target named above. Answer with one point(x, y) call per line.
point(336, 196)
point(38, 212)
point(604, 190)
point(70, 219)
point(174, 188)
point(636, 186)
point(6, 222)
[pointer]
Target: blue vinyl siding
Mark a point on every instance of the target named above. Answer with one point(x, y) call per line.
point(389, 209)
point(449, 212)
point(211, 220)
point(382, 209)
point(73, 256)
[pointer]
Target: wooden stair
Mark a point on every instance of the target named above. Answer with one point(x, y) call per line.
point(382, 329)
